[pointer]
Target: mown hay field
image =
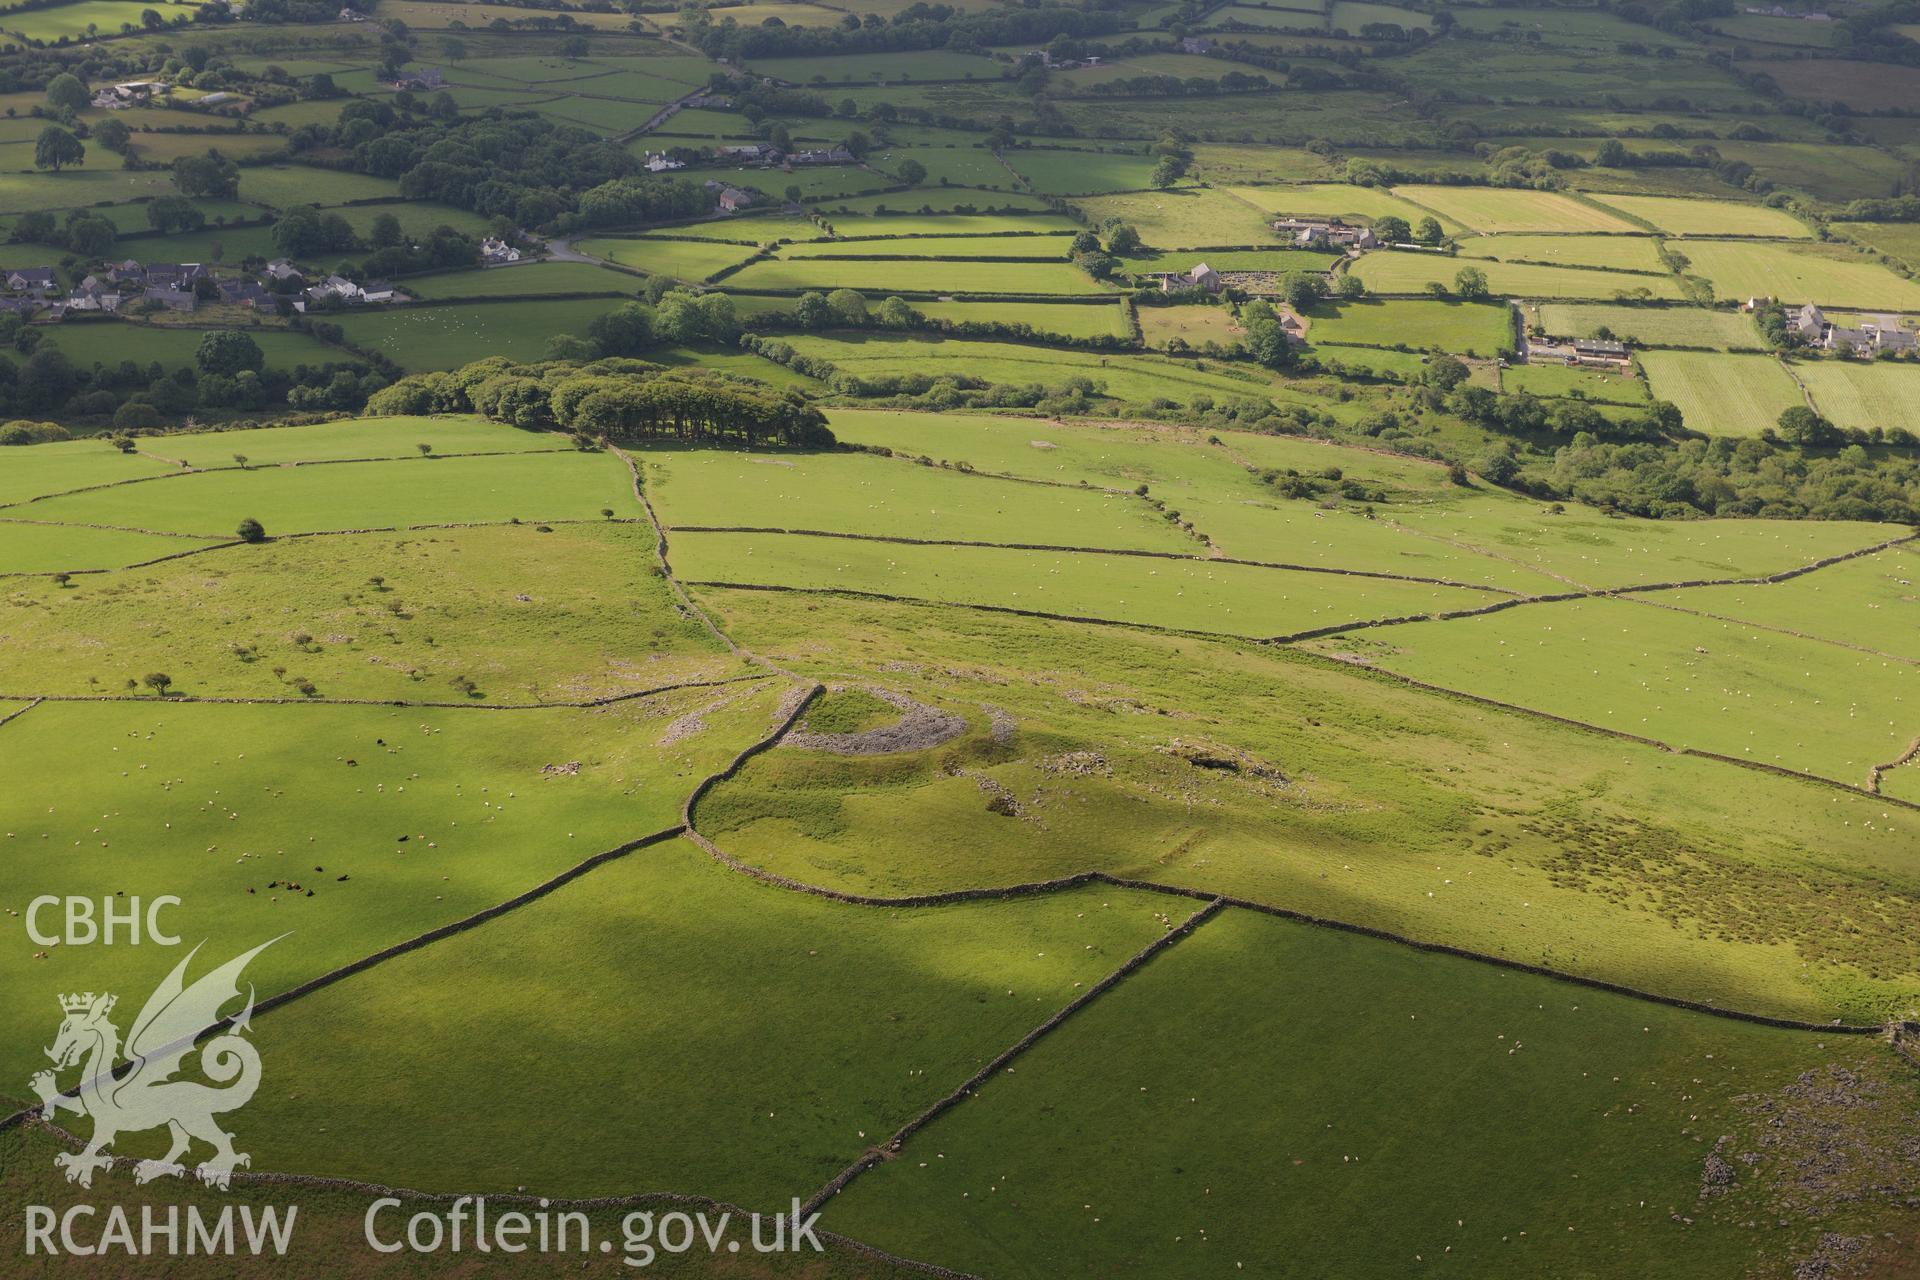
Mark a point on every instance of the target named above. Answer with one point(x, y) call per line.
point(1708, 217)
point(1413, 272)
point(1829, 275)
point(1722, 395)
point(1651, 326)
point(1492, 210)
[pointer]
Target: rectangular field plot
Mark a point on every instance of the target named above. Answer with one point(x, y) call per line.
point(690, 260)
point(30, 471)
point(1491, 210)
point(1562, 380)
point(1827, 274)
point(1276, 260)
point(1240, 1070)
point(529, 281)
point(1071, 320)
point(906, 276)
point(1622, 253)
point(1186, 218)
point(1052, 246)
point(1863, 396)
point(50, 548)
point(1413, 272)
point(361, 495)
point(110, 342)
point(1466, 328)
point(1682, 217)
point(1895, 239)
point(423, 338)
point(284, 185)
point(1586, 549)
point(390, 437)
point(902, 1005)
point(525, 616)
point(891, 497)
point(1722, 395)
point(1872, 602)
point(1187, 595)
point(1651, 326)
point(1712, 685)
point(1081, 173)
point(1120, 376)
point(1194, 326)
point(210, 802)
point(1330, 200)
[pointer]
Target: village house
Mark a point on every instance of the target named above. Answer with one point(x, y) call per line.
point(172, 299)
point(34, 280)
point(1331, 232)
point(380, 291)
point(1882, 333)
point(755, 152)
point(128, 272)
point(419, 79)
point(282, 271)
point(174, 275)
point(94, 299)
point(1200, 276)
point(1597, 351)
point(825, 155)
point(335, 287)
point(732, 200)
point(352, 15)
point(661, 162)
point(245, 293)
point(1196, 44)
point(494, 250)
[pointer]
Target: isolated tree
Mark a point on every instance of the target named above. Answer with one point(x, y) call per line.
point(57, 148)
point(1302, 289)
point(1611, 155)
point(158, 681)
point(62, 579)
point(912, 172)
point(385, 232)
point(227, 352)
point(1393, 230)
point(113, 134)
point(1169, 171)
point(1122, 238)
point(66, 93)
point(1446, 372)
point(849, 306)
point(573, 47)
point(1349, 286)
point(211, 175)
point(1429, 231)
point(91, 237)
point(1470, 282)
point(240, 460)
point(251, 530)
point(1802, 425)
point(426, 450)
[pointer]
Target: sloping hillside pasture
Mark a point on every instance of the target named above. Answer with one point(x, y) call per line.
point(1651, 326)
point(449, 434)
point(71, 21)
point(1896, 239)
point(1622, 253)
point(46, 548)
point(1185, 218)
point(1121, 376)
point(1193, 325)
point(1413, 272)
point(1277, 260)
point(66, 465)
point(1827, 274)
point(866, 68)
point(1080, 173)
point(217, 801)
point(423, 338)
point(1051, 246)
point(110, 342)
point(1368, 813)
point(533, 280)
point(886, 496)
point(1493, 210)
point(907, 276)
point(1870, 602)
point(283, 186)
point(1466, 328)
point(1331, 200)
point(361, 495)
point(563, 616)
point(961, 166)
point(1352, 16)
point(1722, 395)
point(1862, 396)
point(876, 225)
point(916, 999)
point(689, 260)
point(1196, 595)
point(1542, 1119)
point(1690, 682)
point(1708, 217)
point(1071, 320)
point(1587, 549)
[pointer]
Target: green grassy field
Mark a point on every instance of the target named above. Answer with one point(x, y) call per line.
point(1651, 326)
point(908, 276)
point(869, 495)
point(529, 281)
point(362, 495)
point(1826, 274)
point(1185, 218)
point(1072, 320)
point(1541, 1143)
point(1708, 217)
point(1468, 328)
point(1413, 272)
point(937, 247)
point(1330, 199)
point(688, 260)
point(447, 337)
point(37, 470)
point(1665, 675)
point(110, 342)
point(1726, 395)
point(1081, 173)
point(1862, 396)
point(1622, 253)
point(1867, 602)
point(1560, 380)
point(1493, 210)
point(1896, 239)
point(38, 548)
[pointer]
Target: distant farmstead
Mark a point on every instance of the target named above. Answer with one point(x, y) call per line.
point(1331, 232)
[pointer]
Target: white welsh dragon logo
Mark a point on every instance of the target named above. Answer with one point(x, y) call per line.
point(146, 1096)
